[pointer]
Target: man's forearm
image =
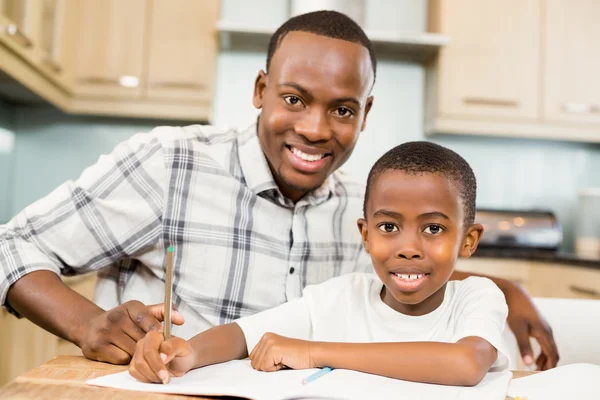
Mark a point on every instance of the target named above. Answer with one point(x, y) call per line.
point(429, 362)
point(44, 299)
point(219, 344)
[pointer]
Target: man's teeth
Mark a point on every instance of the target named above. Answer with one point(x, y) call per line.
point(307, 157)
point(409, 277)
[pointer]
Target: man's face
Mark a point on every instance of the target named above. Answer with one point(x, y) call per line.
point(314, 102)
point(414, 233)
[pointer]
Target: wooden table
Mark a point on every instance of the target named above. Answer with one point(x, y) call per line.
point(64, 377)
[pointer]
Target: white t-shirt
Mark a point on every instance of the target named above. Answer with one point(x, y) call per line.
point(349, 309)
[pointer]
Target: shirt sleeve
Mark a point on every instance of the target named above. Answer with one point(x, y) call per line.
point(113, 211)
point(291, 319)
point(481, 311)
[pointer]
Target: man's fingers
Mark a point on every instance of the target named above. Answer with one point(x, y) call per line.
point(522, 336)
point(158, 311)
point(142, 316)
point(114, 355)
point(123, 342)
point(133, 331)
point(549, 349)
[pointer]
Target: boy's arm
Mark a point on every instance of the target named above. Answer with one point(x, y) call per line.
point(461, 364)
point(219, 344)
point(524, 320)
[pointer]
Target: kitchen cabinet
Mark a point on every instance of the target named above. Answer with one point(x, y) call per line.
point(24, 345)
point(490, 67)
point(570, 282)
point(110, 48)
point(514, 270)
point(515, 69)
point(572, 62)
point(181, 55)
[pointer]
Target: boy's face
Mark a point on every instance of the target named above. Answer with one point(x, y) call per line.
point(314, 103)
point(414, 233)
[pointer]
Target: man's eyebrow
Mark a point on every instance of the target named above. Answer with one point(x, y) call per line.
point(348, 100)
point(388, 213)
point(434, 214)
point(299, 88)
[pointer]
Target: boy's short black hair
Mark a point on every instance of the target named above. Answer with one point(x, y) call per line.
point(325, 23)
point(426, 157)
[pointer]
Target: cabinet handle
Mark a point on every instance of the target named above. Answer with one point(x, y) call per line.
point(179, 85)
point(582, 290)
point(98, 80)
point(581, 108)
point(13, 31)
point(490, 102)
point(51, 64)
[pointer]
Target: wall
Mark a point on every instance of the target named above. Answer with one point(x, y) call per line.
point(512, 173)
point(6, 147)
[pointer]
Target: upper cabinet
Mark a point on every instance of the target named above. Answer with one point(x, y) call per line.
point(180, 54)
point(478, 75)
point(572, 61)
point(134, 58)
point(110, 48)
point(516, 68)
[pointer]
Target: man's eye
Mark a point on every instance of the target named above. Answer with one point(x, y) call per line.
point(292, 100)
point(433, 229)
point(387, 227)
point(343, 112)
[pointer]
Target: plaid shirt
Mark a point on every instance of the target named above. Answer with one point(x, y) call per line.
point(240, 246)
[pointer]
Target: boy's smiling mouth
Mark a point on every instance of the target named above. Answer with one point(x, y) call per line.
point(409, 279)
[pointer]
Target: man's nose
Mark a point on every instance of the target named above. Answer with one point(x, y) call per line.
point(409, 247)
point(314, 126)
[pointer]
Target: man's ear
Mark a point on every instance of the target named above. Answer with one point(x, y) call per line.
point(364, 232)
point(259, 89)
point(471, 240)
point(367, 109)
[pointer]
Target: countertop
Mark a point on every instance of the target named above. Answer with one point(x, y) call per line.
point(549, 256)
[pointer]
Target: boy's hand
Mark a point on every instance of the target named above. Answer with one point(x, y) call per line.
point(111, 336)
point(274, 352)
point(155, 359)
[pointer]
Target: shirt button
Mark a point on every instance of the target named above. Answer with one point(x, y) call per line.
point(292, 270)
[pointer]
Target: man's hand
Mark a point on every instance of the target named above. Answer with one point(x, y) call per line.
point(274, 352)
point(156, 360)
point(111, 336)
point(525, 320)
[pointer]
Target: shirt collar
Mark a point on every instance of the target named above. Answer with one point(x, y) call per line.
point(259, 178)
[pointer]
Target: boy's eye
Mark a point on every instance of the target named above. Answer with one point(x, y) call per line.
point(433, 229)
point(292, 100)
point(343, 112)
point(388, 227)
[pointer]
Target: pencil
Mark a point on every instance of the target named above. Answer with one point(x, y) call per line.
point(168, 292)
point(316, 375)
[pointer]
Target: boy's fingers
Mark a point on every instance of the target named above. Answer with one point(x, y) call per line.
point(139, 367)
point(151, 352)
point(174, 347)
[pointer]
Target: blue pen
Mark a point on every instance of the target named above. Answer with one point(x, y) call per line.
point(316, 375)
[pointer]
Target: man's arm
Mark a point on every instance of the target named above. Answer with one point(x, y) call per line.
point(108, 336)
point(525, 321)
point(112, 212)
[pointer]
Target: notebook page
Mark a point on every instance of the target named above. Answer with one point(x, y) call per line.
point(573, 381)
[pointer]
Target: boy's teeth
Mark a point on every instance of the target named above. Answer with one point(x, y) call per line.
point(307, 157)
point(409, 277)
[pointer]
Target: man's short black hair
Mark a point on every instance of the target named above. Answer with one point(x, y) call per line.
point(426, 157)
point(325, 23)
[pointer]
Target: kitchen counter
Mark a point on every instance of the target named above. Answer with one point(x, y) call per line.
point(549, 256)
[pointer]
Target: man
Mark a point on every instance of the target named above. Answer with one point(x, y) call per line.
point(254, 216)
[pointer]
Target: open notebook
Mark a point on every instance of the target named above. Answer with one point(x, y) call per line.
point(239, 379)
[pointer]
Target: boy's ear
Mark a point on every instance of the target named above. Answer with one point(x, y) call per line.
point(471, 240)
point(364, 233)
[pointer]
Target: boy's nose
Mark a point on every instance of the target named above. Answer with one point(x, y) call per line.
point(410, 249)
point(314, 126)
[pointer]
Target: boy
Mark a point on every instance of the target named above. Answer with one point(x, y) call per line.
point(412, 323)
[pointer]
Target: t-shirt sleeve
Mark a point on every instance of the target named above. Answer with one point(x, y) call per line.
point(481, 311)
point(291, 319)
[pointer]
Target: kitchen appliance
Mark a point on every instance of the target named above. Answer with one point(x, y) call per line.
point(519, 229)
point(587, 230)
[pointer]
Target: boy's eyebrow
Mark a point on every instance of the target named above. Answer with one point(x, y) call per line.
point(389, 213)
point(435, 214)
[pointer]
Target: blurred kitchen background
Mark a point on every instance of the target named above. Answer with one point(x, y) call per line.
point(510, 85)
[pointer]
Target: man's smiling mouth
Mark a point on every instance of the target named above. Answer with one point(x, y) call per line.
point(316, 156)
